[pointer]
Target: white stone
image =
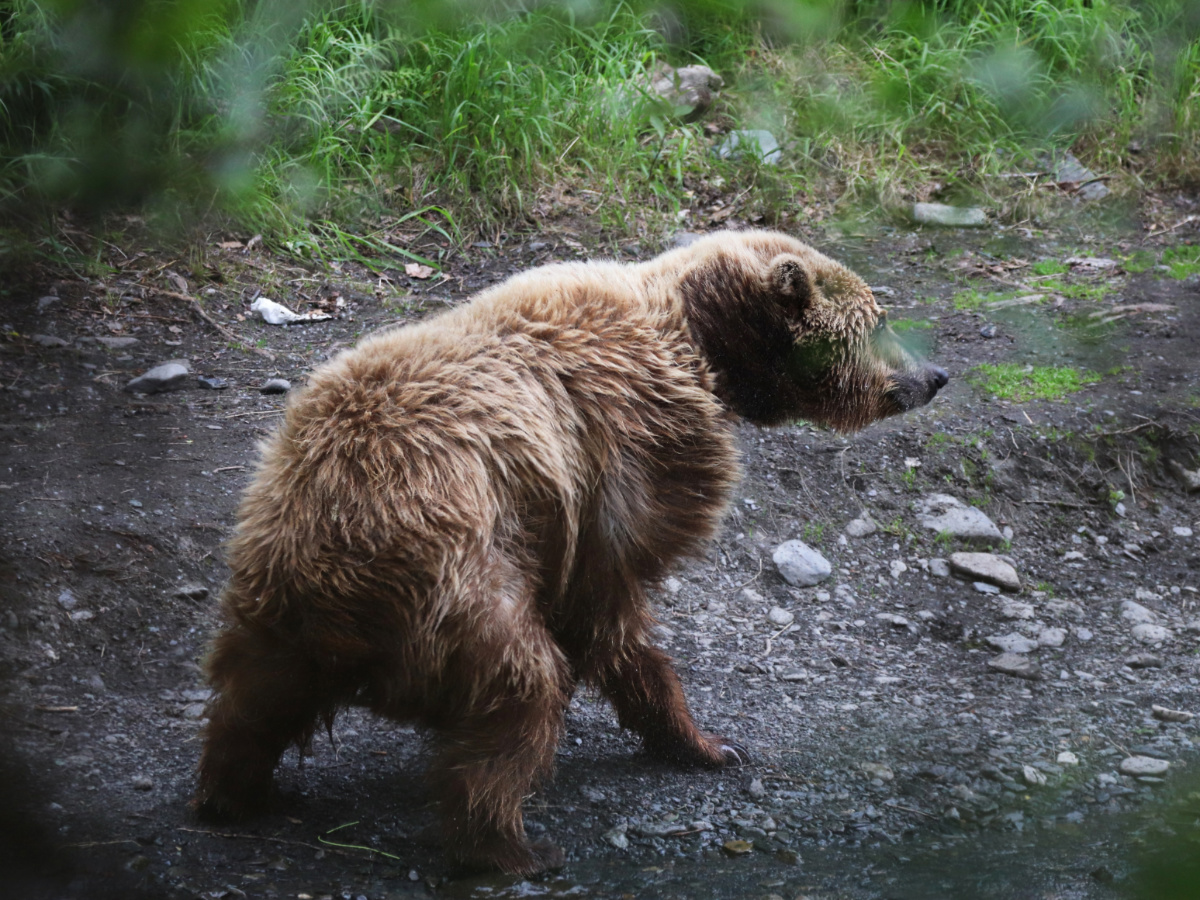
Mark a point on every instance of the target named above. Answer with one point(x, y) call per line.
point(1052, 637)
point(1067, 758)
point(897, 567)
point(1135, 612)
point(942, 513)
point(1033, 776)
point(939, 567)
point(861, 527)
point(1150, 634)
point(984, 588)
point(893, 619)
point(1144, 765)
point(1011, 643)
point(801, 565)
point(1182, 531)
point(780, 617)
point(985, 567)
point(673, 585)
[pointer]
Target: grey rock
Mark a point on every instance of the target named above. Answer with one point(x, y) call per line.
point(986, 567)
point(44, 303)
point(1170, 715)
point(275, 386)
point(759, 143)
point(166, 377)
point(194, 711)
point(952, 216)
point(1188, 478)
point(984, 588)
point(939, 567)
point(1150, 634)
point(1192, 627)
point(689, 90)
point(117, 343)
point(48, 340)
point(685, 238)
point(943, 513)
point(780, 617)
point(801, 565)
point(141, 783)
point(81, 615)
point(1012, 642)
point(1144, 661)
point(1016, 665)
point(67, 600)
point(1052, 637)
point(877, 770)
point(1136, 613)
point(1068, 170)
point(617, 837)
point(212, 383)
point(755, 789)
point(861, 527)
point(1144, 765)
point(192, 591)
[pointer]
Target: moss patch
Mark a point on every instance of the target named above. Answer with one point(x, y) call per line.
point(1010, 381)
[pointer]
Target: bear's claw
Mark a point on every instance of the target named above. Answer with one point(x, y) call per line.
point(735, 754)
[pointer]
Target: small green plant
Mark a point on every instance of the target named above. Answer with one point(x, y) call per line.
point(900, 326)
point(970, 300)
point(937, 440)
point(1050, 267)
point(1010, 381)
point(909, 477)
point(1045, 587)
point(814, 532)
point(1183, 260)
point(944, 540)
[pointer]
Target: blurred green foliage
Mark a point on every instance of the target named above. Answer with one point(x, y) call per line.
point(282, 113)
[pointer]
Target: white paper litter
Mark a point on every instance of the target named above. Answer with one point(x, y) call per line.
point(277, 314)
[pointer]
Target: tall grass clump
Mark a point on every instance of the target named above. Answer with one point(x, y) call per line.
point(344, 123)
point(485, 119)
point(894, 99)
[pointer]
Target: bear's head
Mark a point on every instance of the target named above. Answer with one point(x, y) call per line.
point(791, 334)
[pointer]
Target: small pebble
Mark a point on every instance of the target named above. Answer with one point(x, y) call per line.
point(212, 383)
point(276, 386)
point(780, 617)
point(1067, 758)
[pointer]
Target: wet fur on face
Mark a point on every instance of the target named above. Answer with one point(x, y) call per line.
point(458, 521)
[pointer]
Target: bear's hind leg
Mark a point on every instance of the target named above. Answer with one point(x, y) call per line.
point(649, 699)
point(265, 696)
point(495, 746)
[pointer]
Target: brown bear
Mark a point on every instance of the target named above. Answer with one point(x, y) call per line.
point(458, 520)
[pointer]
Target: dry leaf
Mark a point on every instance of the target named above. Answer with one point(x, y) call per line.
point(231, 245)
point(416, 270)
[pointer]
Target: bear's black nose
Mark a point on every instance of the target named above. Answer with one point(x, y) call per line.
point(940, 376)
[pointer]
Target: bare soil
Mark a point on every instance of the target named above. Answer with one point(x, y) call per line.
point(879, 732)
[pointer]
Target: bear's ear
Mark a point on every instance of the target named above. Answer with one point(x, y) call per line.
point(790, 281)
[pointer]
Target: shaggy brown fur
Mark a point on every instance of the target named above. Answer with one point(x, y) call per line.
point(457, 521)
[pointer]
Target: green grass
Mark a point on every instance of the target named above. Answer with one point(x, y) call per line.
point(352, 130)
point(1077, 290)
point(1050, 267)
point(1009, 381)
point(902, 326)
point(1183, 260)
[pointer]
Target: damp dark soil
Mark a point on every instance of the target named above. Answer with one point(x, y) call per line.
point(890, 758)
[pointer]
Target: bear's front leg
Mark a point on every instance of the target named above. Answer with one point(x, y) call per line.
point(649, 699)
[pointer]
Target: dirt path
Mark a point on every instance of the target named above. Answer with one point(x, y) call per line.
point(868, 700)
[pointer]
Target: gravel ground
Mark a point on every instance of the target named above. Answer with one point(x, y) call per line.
point(903, 706)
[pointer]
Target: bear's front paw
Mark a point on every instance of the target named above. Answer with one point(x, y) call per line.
point(735, 754)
